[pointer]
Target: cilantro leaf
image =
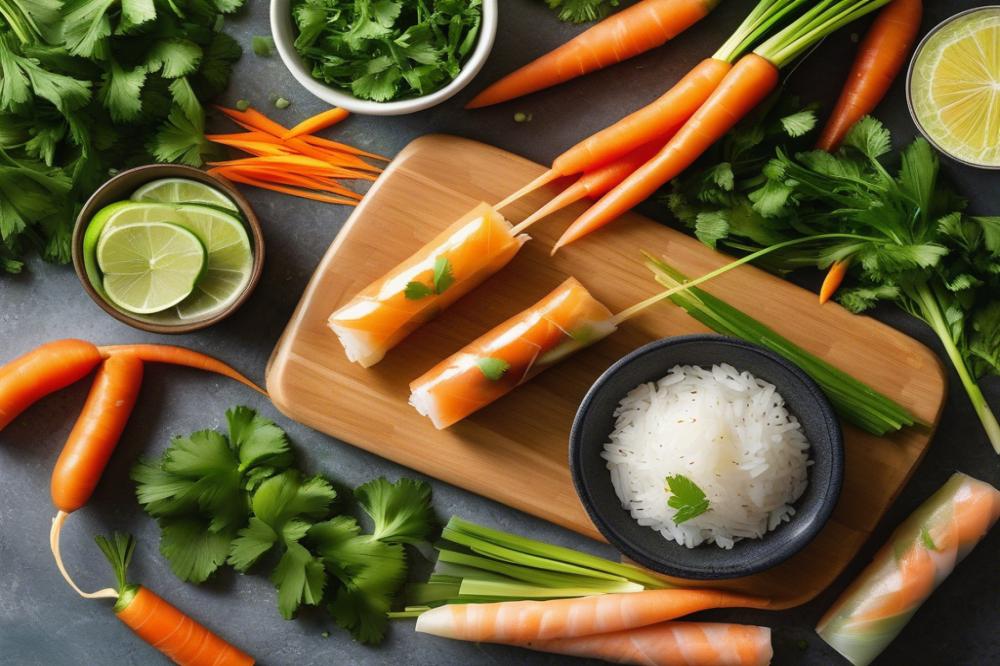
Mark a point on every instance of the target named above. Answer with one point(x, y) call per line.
point(686, 497)
point(258, 440)
point(86, 26)
point(870, 137)
point(799, 124)
point(180, 139)
point(401, 511)
point(414, 291)
point(443, 276)
point(492, 368)
point(174, 57)
point(300, 579)
point(121, 92)
point(711, 227)
point(581, 11)
point(927, 540)
point(263, 46)
point(135, 13)
point(193, 550)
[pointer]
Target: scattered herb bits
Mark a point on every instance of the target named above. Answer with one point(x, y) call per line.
point(382, 50)
point(263, 46)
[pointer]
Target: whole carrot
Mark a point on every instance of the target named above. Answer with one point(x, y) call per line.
point(169, 630)
point(637, 29)
point(96, 433)
point(881, 56)
point(31, 377)
point(180, 356)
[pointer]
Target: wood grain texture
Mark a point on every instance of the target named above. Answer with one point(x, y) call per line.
point(515, 451)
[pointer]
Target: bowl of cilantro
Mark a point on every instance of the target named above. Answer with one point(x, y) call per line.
point(384, 57)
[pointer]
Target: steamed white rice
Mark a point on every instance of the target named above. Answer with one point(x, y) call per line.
point(727, 431)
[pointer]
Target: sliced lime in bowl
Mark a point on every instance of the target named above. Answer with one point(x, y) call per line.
point(149, 267)
point(183, 190)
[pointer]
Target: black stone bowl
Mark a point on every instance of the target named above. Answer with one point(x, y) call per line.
point(595, 421)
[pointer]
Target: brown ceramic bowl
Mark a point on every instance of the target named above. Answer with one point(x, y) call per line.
point(120, 188)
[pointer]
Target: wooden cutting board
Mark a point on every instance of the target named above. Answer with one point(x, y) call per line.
point(515, 451)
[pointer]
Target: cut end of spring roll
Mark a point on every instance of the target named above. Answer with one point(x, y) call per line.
point(451, 265)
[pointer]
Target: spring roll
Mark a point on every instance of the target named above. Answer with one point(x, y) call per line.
point(442, 271)
point(920, 554)
point(566, 320)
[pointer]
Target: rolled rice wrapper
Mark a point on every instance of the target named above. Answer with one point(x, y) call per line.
point(565, 321)
point(451, 265)
point(919, 555)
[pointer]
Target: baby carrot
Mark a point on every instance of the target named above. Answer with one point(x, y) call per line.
point(31, 377)
point(96, 432)
point(881, 56)
point(180, 356)
point(634, 30)
point(834, 278)
point(169, 630)
point(316, 123)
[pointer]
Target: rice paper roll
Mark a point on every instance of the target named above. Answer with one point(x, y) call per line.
point(565, 321)
point(451, 265)
point(919, 555)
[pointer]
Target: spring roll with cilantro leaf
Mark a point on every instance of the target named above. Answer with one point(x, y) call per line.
point(451, 265)
point(920, 554)
point(565, 321)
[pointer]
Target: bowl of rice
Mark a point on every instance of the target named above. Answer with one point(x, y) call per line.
point(707, 457)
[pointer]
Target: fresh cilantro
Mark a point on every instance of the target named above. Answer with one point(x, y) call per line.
point(401, 511)
point(581, 11)
point(263, 47)
point(386, 49)
point(686, 498)
point(441, 278)
point(492, 368)
point(174, 57)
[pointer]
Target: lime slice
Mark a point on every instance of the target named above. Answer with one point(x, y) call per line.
point(149, 266)
point(955, 87)
point(183, 190)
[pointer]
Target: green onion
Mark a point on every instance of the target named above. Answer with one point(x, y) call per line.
point(854, 400)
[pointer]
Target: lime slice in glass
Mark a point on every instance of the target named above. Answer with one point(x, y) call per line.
point(149, 266)
point(954, 87)
point(183, 190)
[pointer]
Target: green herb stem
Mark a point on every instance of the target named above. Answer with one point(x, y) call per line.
point(762, 19)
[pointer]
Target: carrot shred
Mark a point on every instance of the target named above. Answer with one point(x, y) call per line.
point(834, 278)
point(305, 194)
point(320, 121)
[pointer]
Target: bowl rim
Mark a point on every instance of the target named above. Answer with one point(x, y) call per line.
point(282, 29)
point(154, 172)
point(834, 479)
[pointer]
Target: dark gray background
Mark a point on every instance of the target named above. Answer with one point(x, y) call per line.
point(43, 622)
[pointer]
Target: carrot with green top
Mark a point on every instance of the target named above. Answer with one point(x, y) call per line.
point(634, 30)
point(747, 84)
point(31, 377)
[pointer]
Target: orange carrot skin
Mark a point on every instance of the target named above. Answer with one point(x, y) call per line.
point(634, 30)
point(176, 635)
point(881, 55)
point(750, 81)
point(600, 181)
point(320, 121)
point(31, 377)
point(834, 278)
point(656, 121)
point(180, 356)
point(97, 431)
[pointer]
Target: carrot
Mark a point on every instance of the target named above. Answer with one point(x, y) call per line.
point(169, 630)
point(342, 147)
point(521, 621)
point(880, 58)
point(96, 432)
point(31, 377)
point(274, 175)
point(305, 194)
point(320, 121)
point(594, 184)
point(180, 356)
point(634, 30)
point(670, 644)
point(747, 83)
point(834, 278)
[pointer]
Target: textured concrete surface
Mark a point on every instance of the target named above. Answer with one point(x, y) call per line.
point(42, 622)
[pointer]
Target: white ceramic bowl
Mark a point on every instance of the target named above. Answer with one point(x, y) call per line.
point(283, 31)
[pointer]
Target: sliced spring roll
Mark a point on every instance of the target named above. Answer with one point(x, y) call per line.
point(442, 271)
point(919, 555)
point(566, 320)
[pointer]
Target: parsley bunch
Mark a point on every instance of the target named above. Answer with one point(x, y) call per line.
point(904, 232)
point(386, 49)
point(240, 501)
point(90, 86)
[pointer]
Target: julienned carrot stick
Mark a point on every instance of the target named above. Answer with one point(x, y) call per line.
point(747, 84)
point(670, 644)
point(97, 431)
point(277, 175)
point(169, 630)
point(305, 194)
point(881, 56)
point(31, 377)
point(521, 621)
point(342, 147)
point(634, 30)
point(834, 278)
point(316, 123)
point(180, 356)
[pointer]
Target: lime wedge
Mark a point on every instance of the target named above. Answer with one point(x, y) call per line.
point(149, 266)
point(183, 190)
point(954, 87)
